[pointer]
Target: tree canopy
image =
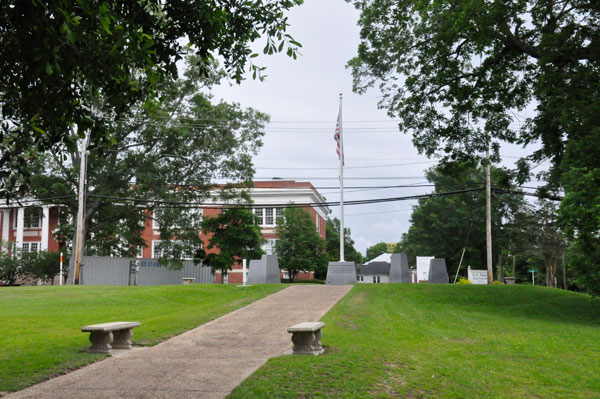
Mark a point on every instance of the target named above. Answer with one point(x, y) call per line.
point(235, 236)
point(154, 172)
point(466, 74)
point(375, 250)
point(442, 226)
point(299, 247)
point(333, 243)
point(58, 57)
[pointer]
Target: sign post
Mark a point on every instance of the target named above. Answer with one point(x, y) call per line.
point(244, 277)
point(532, 271)
point(60, 273)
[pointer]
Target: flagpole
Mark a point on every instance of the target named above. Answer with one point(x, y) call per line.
point(341, 185)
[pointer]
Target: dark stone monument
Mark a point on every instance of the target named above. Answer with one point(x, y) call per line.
point(399, 269)
point(438, 274)
point(341, 273)
point(264, 270)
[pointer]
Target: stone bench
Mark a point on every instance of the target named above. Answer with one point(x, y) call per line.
point(307, 338)
point(119, 332)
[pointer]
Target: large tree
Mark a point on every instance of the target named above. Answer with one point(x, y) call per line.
point(299, 247)
point(155, 173)
point(58, 56)
point(458, 74)
point(443, 225)
point(333, 243)
point(375, 250)
point(235, 235)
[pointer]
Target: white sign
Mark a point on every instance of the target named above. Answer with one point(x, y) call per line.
point(423, 267)
point(478, 276)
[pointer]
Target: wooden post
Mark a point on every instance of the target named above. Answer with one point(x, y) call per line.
point(488, 214)
point(81, 209)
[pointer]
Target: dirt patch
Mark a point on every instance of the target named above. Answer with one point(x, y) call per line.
point(391, 382)
point(359, 298)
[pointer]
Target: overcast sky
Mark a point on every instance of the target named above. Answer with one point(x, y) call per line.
point(302, 98)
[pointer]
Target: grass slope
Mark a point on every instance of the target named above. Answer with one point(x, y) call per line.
point(40, 327)
point(436, 341)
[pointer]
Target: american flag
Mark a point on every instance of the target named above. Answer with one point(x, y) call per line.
point(338, 140)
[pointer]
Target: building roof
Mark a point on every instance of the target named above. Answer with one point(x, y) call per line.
point(283, 184)
point(375, 268)
point(385, 257)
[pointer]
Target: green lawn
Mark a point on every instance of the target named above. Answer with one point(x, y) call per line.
point(436, 341)
point(40, 327)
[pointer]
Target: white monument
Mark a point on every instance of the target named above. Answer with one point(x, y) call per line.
point(477, 276)
point(423, 267)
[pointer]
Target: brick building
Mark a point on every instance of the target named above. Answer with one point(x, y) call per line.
point(31, 227)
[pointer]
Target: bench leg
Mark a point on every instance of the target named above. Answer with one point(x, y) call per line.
point(100, 341)
point(303, 342)
point(317, 342)
point(122, 339)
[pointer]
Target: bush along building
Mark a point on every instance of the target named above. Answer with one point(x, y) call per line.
point(32, 227)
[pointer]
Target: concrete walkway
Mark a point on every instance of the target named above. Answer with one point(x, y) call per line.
point(206, 362)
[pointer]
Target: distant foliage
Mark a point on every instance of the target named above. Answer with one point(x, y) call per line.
point(235, 236)
point(333, 243)
point(299, 247)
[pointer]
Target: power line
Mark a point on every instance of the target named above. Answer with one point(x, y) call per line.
point(345, 178)
point(184, 204)
point(346, 167)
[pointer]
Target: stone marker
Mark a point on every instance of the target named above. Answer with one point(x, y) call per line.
point(438, 274)
point(264, 270)
point(341, 273)
point(399, 269)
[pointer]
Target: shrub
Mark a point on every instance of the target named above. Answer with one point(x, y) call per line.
point(42, 265)
point(302, 281)
point(463, 280)
point(498, 282)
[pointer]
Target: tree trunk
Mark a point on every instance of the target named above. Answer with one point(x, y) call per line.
point(501, 267)
point(564, 273)
point(514, 274)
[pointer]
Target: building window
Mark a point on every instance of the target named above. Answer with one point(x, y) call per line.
point(32, 219)
point(269, 220)
point(374, 279)
point(31, 247)
point(278, 214)
point(317, 223)
point(195, 212)
point(269, 246)
point(259, 215)
point(164, 252)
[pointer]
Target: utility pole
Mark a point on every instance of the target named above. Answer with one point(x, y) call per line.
point(488, 211)
point(81, 208)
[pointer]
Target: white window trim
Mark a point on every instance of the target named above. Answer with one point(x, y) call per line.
point(156, 243)
point(28, 244)
point(25, 227)
point(262, 217)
